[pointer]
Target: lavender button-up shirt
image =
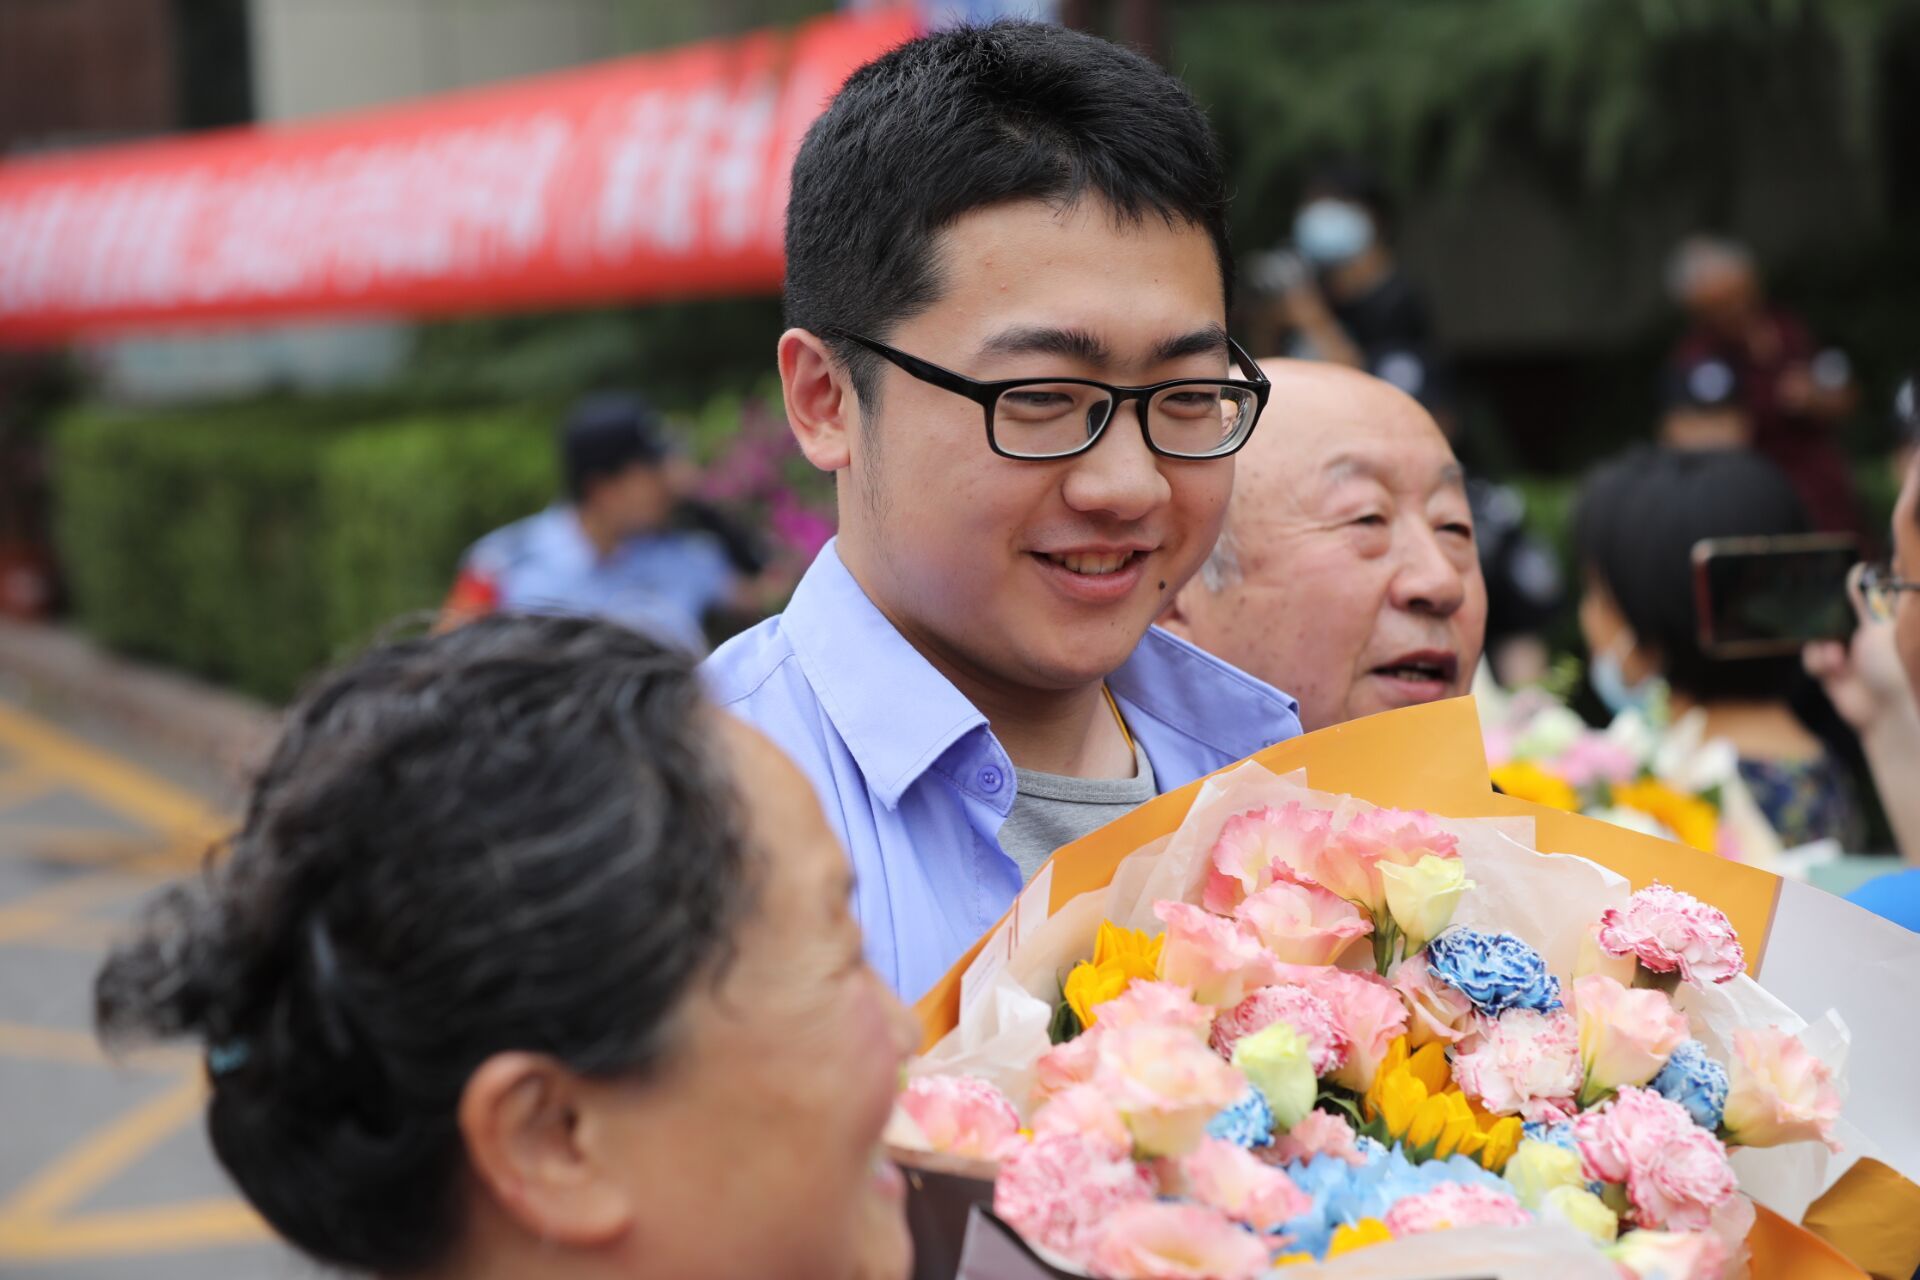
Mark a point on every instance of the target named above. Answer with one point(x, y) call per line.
point(911, 778)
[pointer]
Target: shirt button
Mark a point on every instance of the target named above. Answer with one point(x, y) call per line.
point(990, 778)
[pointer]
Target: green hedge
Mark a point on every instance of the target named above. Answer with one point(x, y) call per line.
point(252, 545)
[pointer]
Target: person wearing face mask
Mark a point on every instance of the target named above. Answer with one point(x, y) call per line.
point(1007, 285)
point(1635, 526)
point(1347, 571)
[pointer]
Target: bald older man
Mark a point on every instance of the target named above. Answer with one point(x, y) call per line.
point(1347, 572)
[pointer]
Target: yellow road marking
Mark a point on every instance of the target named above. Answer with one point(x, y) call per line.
point(105, 1153)
point(53, 908)
point(131, 791)
point(54, 1044)
point(135, 1232)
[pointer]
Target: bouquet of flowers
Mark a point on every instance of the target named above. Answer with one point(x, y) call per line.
point(1303, 1027)
point(1643, 772)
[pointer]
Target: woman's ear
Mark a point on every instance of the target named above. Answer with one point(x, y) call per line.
point(823, 410)
point(525, 1120)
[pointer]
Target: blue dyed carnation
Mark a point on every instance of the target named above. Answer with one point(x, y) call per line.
point(1496, 971)
point(1560, 1135)
point(1247, 1123)
point(1344, 1193)
point(1696, 1082)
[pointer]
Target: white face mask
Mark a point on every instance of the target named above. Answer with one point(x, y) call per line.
point(1609, 680)
point(1329, 232)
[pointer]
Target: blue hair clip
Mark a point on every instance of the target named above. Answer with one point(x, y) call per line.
point(225, 1059)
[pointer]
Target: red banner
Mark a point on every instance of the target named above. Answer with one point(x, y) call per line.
point(656, 176)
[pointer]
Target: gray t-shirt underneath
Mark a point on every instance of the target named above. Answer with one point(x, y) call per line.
point(1050, 809)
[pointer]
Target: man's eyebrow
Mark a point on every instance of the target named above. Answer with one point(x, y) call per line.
point(1341, 466)
point(1047, 340)
point(1211, 340)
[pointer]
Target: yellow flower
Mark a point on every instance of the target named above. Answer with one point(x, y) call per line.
point(1120, 955)
point(1413, 1099)
point(1093, 984)
point(1694, 821)
point(1133, 950)
point(1347, 1237)
point(1526, 780)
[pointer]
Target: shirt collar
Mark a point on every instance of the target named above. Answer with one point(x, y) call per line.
point(1203, 699)
point(898, 714)
point(895, 712)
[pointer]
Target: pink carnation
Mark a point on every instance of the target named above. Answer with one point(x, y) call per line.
point(1216, 958)
point(1665, 929)
point(1526, 1064)
point(1156, 1003)
point(1176, 1242)
point(1253, 844)
point(1453, 1205)
point(1436, 1010)
point(1594, 757)
point(1225, 1176)
point(1302, 923)
point(1319, 1133)
point(961, 1115)
point(1675, 1172)
point(1369, 1012)
point(1305, 1012)
point(1060, 1189)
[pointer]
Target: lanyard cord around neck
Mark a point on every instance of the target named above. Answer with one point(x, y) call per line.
point(1118, 718)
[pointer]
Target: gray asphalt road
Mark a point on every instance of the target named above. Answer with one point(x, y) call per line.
point(104, 1168)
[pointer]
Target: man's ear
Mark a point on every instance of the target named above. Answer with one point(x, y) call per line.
point(822, 409)
point(528, 1126)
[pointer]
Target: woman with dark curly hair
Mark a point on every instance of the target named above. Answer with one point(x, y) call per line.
point(527, 962)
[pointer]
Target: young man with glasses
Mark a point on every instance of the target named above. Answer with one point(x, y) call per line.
point(1007, 274)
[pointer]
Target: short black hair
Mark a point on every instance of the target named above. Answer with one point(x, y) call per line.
point(1356, 182)
point(604, 434)
point(1634, 529)
point(518, 835)
point(971, 117)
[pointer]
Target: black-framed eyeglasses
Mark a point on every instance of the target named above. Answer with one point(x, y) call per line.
point(1879, 589)
point(1039, 419)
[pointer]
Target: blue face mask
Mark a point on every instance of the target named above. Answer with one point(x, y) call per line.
point(1329, 232)
point(1610, 685)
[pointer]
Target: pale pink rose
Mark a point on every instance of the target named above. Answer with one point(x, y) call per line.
point(1350, 866)
point(1157, 1003)
point(1068, 1064)
point(1665, 929)
point(1216, 958)
point(1253, 844)
point(1305, 1012)
point(1061, 1189)
point(1165, 1241)
point(1778, 1092)
point(1166, 1084)
point(1525, 1064)
point(1675, 1173)
point(1436, 1010)
point(960, 1115)
point(1225, 1176)
point(1318, 1134)
point(1669, 1255)
point(1084, 1109)
point(1301, 923)
point(1368, 1009)
point(1626, 1034)
point(1453, 1205)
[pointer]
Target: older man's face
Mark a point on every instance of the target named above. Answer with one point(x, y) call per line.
point(1358, 587)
